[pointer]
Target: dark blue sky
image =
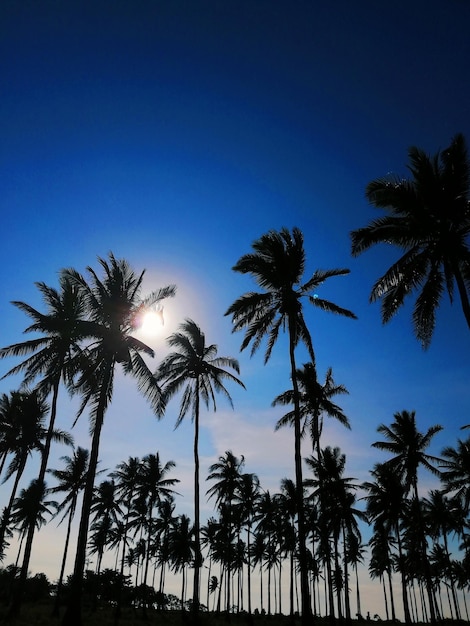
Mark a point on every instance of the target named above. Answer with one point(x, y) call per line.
point(174, 133)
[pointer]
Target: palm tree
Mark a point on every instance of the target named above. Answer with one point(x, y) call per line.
point(246, 497)
point(113, 306)
point(106, 511)
point(52, 359)
point(30, 507)
point(26, 417)
point(455, 473)
point(195, 367)
point(182, 549)
point(127, 476)
point(443, 517)
point(408, 445)
point(277, 264)
point(428, 218)
point(154, 486)
point(315, 401)
point(71, 481)
point(227, 473)
point(385, 498)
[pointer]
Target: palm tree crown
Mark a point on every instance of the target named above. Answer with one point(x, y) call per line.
point(277, 264)
point(429, 219)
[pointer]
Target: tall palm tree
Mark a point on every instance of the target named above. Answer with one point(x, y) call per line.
point(113, 306)
point(31, 507)
point(154, 486)
point(106, 511)
point(26, 421)
point(182, 549)
point(277, 264)
point(428, 218)
point(246, 498)
point(443, 517)
point(455, 470)
point(52, 358)
point(315, 402)
point(195, 368)
point(71, 481)
point(127, 476)
point(385, 504)
point(408, 446)
point(227, 472)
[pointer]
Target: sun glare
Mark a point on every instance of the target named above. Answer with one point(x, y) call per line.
point(152, 323)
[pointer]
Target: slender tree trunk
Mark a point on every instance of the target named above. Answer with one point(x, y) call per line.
point(55, 610)
point(7, 511)
point(73, 612)
point(304, 587)
point(15, 605)
point(197, 540)
point(404, 590)
point(392, 597)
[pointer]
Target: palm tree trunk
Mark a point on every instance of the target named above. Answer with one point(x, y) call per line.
point(73, 612)
point(18, 594)
point(55, 610)
point(404, 590)
point(7, 510)
point(197, 541)
point(304, 587)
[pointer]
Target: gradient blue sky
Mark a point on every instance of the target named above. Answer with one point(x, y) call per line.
point(174, 133)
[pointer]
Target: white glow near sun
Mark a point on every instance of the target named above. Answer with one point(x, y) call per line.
point(152, 324)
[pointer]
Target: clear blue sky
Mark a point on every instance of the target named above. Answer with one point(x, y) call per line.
point(174, 133)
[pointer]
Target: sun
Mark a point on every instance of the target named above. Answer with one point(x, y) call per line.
point(152, 323)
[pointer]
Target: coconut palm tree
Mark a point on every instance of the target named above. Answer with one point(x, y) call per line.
point(428, 219)
point(385, 504)
point(182, 549)
point(113, 307)
point(52, 359)
point(277, 264)
point(444, 516)
point(28, 410)
point(153, 487)
point(71, 481)
point(408, 446)
point(105, 511)
point(195, 368)
point(455, 471)
point(227, 472)
point(246, 497)
point(31, 507)
point(127, 476)
point(315, 403)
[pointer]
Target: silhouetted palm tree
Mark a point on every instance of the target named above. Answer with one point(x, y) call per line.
point(408, 445)
point(113, 307)
point(315, 402)
point(53, 358)
point(385, 498)
point(444, 516)
point(277, 264)
point(154, 486)
point(182, 549)
point(455, 470)
point(31, 507)
point(71, 480)
point(26, 420)
point(246, 497)
point(227, 473)
point(428, 218)
point(195, 368)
